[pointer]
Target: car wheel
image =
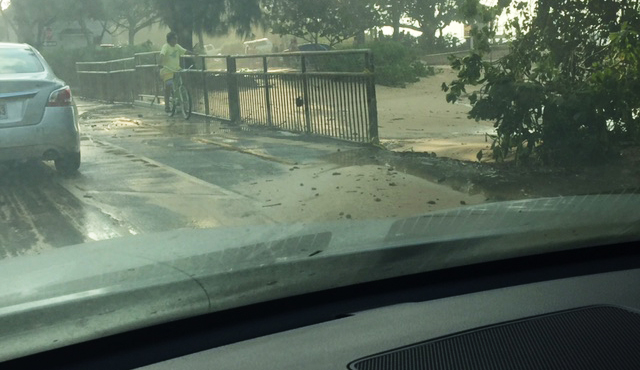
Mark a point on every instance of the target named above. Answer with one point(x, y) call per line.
point(68, 163)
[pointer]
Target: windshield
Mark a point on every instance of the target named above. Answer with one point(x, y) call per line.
point(19, 60)
point(393, 122)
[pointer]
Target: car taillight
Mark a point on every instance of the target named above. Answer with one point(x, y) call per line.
point(60, 98)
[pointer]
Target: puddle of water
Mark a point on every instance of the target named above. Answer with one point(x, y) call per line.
point(190, 128)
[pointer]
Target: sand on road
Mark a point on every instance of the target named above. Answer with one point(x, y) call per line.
point(418, 118)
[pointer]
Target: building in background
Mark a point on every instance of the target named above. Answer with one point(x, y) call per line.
point(69, 35)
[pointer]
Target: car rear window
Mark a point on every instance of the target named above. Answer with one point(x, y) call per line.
point(19, 60)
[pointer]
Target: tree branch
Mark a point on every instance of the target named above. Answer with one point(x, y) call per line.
point(148, 23)
point(411, 27)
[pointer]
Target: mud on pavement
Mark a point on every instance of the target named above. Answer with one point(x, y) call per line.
point(506, 181)
point(490, 181)
point(300, 177)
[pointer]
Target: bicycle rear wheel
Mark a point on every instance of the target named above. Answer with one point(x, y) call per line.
point(185, 98)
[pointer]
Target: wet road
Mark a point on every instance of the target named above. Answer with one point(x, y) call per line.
point(143, 172)
point(132, 180)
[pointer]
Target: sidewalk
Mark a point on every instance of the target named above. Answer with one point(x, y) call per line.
point(308, 176)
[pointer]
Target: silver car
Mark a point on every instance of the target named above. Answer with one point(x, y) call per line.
point(38, 117)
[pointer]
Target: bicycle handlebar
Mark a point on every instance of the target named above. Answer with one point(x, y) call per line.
point(177, 71)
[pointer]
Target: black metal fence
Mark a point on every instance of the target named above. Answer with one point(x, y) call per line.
point(329, 93)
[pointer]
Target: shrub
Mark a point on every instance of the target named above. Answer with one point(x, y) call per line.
point(560, 101)
point(395, 63)
point(422, 70)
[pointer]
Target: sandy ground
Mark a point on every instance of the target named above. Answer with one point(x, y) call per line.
point(418, 118)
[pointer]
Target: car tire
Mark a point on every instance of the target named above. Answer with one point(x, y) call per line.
point(68, 164)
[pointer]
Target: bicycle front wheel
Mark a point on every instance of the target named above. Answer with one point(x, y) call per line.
point(172, 103)
point(185, 98)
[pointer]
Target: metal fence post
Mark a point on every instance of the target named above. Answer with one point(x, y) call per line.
point(79, 79)
point(267, 93)
point(372, 102)
point(159, 85)
point(137, 82)
point(234, 92)
point(137, 79)
point(205, 89)
point(110, 91)
point(305, 92)
point(132, 85)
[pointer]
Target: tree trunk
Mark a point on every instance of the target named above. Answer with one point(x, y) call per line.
point(542, 14)
point(396, 25)
point(360, 38)
point(131, 30)
point(4, 33)
point(201, 42)
point(9, 23)
point(185, 36)
point(185, 39)
point(25, 34)
point(105, 30)
point(38, 41)
point(428, 37)
point(85, 32)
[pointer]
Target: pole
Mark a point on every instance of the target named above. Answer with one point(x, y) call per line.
point(372, 102)
point(305, 93)
point(234, 92)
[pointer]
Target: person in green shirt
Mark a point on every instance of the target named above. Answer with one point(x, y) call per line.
point(170, 61)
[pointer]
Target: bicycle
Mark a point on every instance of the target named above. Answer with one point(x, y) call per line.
point(180, 97)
